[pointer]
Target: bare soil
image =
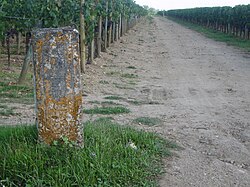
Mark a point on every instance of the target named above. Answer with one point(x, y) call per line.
point(199, 88)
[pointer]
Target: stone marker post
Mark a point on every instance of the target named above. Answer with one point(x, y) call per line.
point(58, 84)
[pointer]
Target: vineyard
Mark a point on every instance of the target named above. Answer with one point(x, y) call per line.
point(101, 22)
point(123, 97)
point(230, 20)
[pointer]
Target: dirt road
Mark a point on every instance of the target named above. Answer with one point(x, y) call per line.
point(198, 87)
point(207, 107)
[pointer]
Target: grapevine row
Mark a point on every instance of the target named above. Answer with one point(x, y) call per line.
point(230, 20)
point(104, 20)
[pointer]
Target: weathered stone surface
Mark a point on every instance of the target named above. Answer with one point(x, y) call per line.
point(58, 84)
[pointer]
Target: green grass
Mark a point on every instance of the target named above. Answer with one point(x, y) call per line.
point(131, 82)
point(17, 93)
point(136, 102)
point(3, 106)
point(10, 92)
point(113, 73)
point(8, 76)
point(104, 102)
point(131, 67)
point(150, 19)
point(110, 103)
point(123, 87)
point(103, 82)
point(114, 97)
point(6, 111)
point(148, 121)
point(217, 35)
point(113, 156)
point(129, 75)
point(107, 110)
point(94, 102)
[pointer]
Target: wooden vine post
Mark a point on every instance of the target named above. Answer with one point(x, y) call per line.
point(106, 27)
point(120, 26)
point(113, 22)
point(58, 88)
point(82, 38)
point(92, 42)
point(99, 37)
point(110, 25)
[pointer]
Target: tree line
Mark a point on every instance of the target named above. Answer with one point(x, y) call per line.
point(230, 20)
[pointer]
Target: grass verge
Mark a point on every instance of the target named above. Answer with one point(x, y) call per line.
point(217, 35)
point(113, 156)
point(107, 110)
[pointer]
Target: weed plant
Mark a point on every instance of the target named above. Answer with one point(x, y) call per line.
point(148, 121)
point(107, 110)
point(129, 75)
point(114, 97)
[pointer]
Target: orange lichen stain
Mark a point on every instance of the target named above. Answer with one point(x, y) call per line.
point(48, 37)
point(68, 85)
point(76, 56)
point(39, 49)
point(62, 120)
point(52, 61)
point(45, 70)
point(61, 38)
point(70, 54)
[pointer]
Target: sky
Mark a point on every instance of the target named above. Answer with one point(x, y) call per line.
point(180, 4)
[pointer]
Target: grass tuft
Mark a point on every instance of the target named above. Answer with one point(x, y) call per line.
point(113, 156)
point(114, 97)
point(104, 103)
point(107, 110)
point(148, 121)
point(113, 73)
point(123, 87)
point(129, 75)
point(136, 102)
point(17, 93)
point(103, 82)
point(131, 67)
point(94, 102)
point(6, 111)
point(139, 102)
